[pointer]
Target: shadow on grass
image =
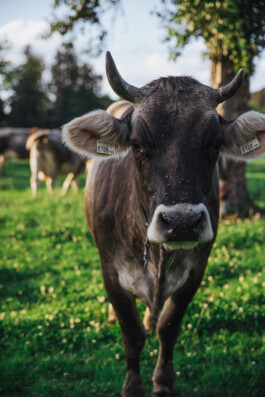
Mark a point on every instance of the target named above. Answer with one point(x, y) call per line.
point(14, 282)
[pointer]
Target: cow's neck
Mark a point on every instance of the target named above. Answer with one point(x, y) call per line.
point(155, 258)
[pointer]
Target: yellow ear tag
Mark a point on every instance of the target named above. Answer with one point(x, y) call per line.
point(249, 146)
point(105, 148)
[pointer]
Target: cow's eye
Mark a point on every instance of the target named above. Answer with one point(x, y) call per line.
point(136, 147)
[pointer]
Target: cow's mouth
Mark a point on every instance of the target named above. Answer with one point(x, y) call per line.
point(176, 245)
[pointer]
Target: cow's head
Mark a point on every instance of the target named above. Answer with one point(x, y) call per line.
point(175, 137)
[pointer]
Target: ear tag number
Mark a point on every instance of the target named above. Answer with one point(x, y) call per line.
point(105, 148)
point(249, 146)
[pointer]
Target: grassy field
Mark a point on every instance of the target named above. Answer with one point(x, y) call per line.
point(54, 335)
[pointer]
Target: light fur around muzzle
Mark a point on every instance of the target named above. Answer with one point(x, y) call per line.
point(155, 234)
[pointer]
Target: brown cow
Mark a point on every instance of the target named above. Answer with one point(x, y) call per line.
point(156, 191)
point(50, 158)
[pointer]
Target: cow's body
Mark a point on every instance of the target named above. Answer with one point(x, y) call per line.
point(13, 144)
point(49, 158)
point(158, 195)
point(122, 213)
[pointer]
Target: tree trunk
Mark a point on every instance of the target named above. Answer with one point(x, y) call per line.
point(234, 197)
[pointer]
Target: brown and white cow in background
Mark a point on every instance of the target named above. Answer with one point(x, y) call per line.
point(12, 144)
point(50, 158)
point(156, 191)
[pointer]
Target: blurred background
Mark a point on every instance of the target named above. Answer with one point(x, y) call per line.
point(43, 69)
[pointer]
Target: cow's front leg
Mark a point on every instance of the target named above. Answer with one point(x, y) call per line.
point(50, 185)
point(67, 183)
point(168, 330)
point(34, 183)
point(133, 337)
point(74, 186)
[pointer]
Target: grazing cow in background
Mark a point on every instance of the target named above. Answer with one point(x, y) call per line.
point(12, 144)
point(156, 191)
point(50, 158)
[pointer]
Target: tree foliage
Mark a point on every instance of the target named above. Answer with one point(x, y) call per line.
point(4, 64)
point(4, 72)
point(89, 13)
point(75, 87)
point(72, 90)
point(234, 29)
point(29, 101)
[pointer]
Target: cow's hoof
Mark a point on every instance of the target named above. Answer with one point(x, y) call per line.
point(164, 381)
point(133, 385)
point(164, 391)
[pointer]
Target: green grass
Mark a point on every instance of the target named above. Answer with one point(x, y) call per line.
point(54, 335)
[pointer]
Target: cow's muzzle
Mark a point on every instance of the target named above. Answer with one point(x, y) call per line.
point(180, 226)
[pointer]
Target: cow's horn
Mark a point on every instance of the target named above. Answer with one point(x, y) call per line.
point(120, 86)
point(231, 88)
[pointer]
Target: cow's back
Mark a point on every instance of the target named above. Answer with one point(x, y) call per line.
point(50, 155)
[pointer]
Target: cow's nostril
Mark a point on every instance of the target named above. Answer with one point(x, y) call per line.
point(199, 222)
point(164, 217)
point(169, 220)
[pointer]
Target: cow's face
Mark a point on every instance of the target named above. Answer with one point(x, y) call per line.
point(175, 147)
point(175, 137)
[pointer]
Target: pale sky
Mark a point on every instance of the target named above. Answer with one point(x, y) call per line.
point(135, 41)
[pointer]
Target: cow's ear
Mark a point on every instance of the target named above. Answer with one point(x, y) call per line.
point(245, 137)
point(97, 134)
